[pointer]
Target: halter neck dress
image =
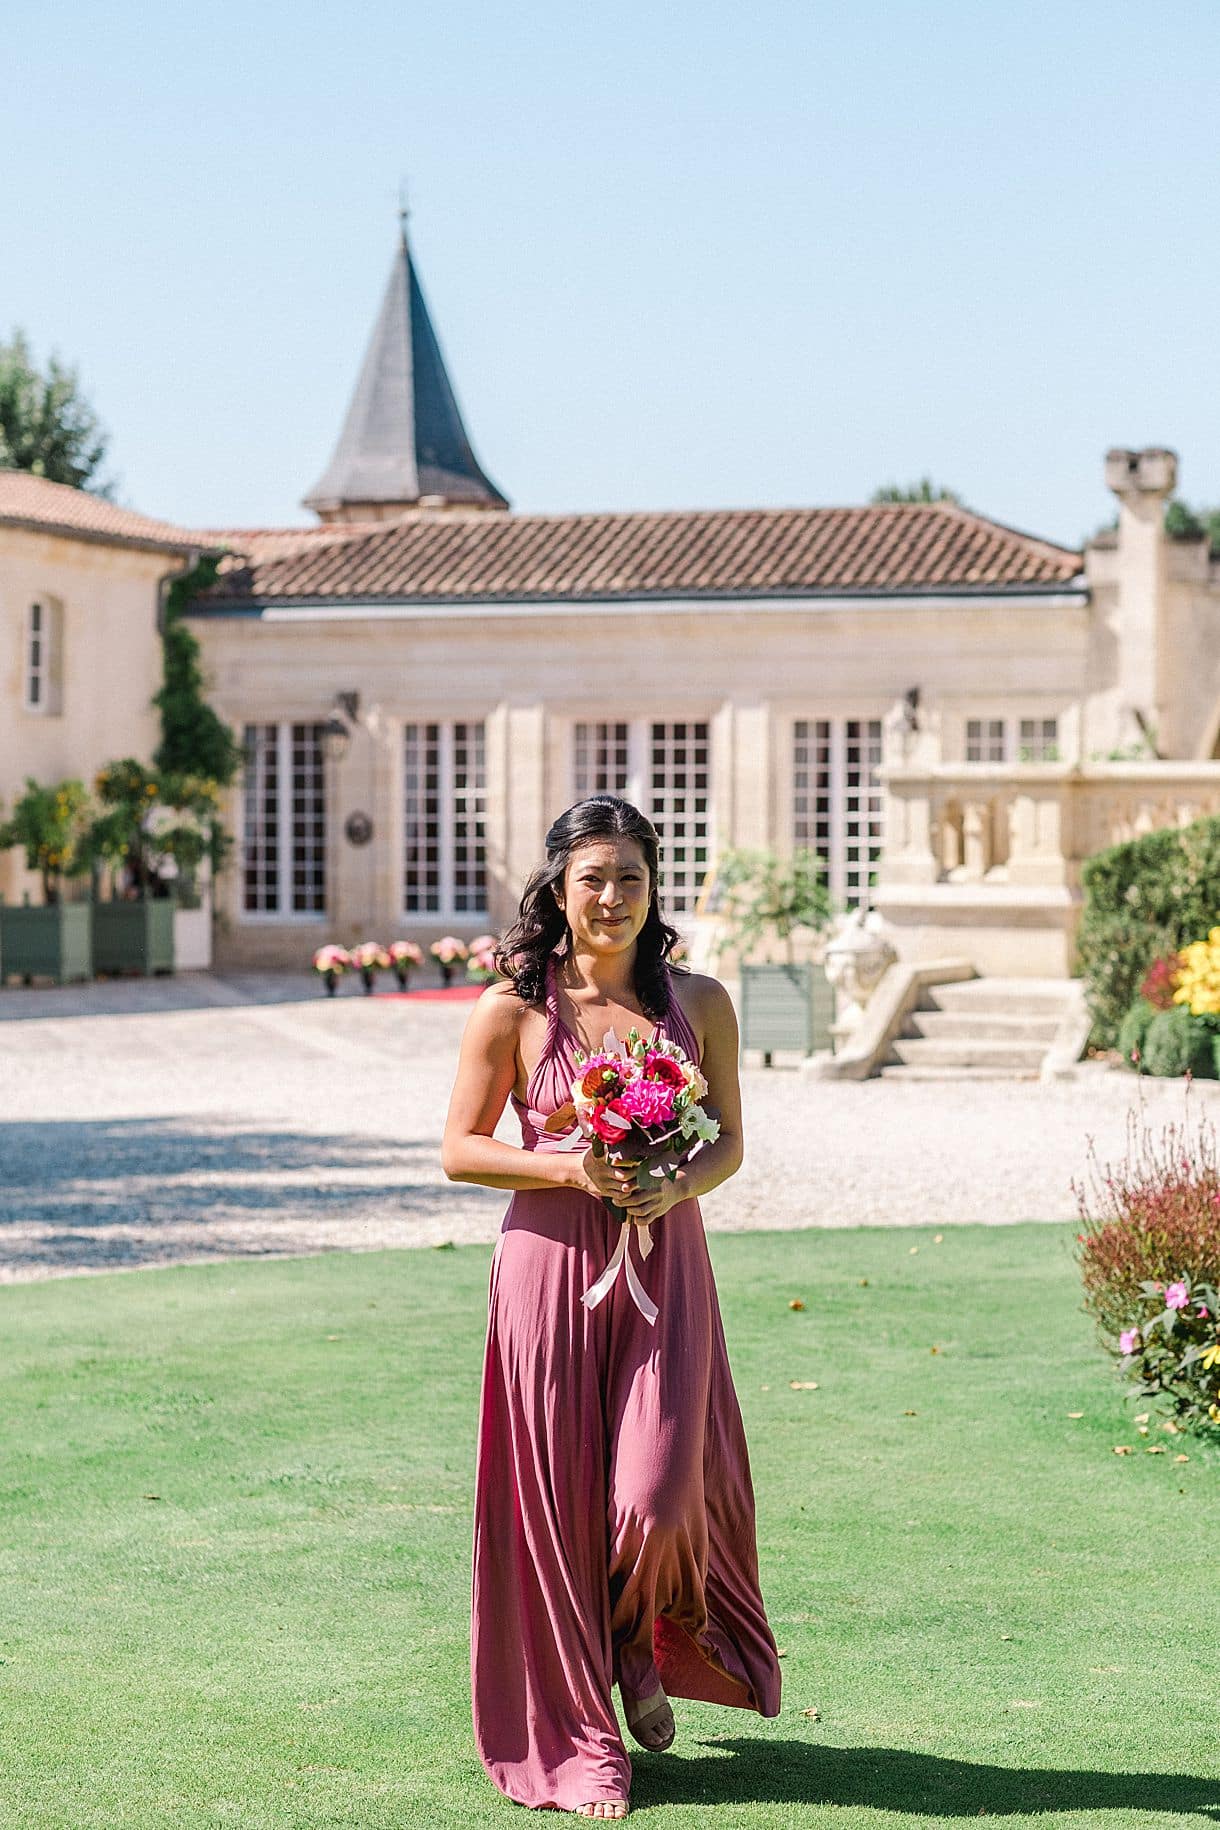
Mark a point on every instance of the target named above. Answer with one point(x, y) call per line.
point(614, 1530)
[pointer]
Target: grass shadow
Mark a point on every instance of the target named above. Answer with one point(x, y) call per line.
point(895, 1779)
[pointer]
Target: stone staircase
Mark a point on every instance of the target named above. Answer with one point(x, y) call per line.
point(981, 1029)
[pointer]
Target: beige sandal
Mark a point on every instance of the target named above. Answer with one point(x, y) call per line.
point(638, 1714)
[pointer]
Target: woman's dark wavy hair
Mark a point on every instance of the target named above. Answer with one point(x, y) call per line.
point(541, 924)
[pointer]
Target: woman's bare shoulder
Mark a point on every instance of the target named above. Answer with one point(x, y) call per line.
point(498, 1011)
point(702, 997)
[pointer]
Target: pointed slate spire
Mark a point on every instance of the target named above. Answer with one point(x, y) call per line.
point(403, 444)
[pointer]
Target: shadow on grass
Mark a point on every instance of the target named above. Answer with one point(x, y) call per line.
point(894, 1779)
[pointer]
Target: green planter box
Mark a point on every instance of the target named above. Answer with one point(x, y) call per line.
point(133, 936)
point(785, 1007)
point(52, 942)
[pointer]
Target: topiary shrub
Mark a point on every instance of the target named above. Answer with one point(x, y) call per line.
point(1176, 1042)
point(1132, 1033)
point(1143, 899)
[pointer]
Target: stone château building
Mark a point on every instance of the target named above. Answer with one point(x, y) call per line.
point(952, 712)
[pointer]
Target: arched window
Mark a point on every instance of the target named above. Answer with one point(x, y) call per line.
point(42, 657)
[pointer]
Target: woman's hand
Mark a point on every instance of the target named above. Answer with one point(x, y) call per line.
point(616, 1181)
point(604, 1178)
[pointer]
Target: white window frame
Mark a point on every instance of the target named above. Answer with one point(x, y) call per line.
point(1012, 741)
point(42, 625)
point(638, 789)
point(447, 860)
point(843, 832)
point(285, 914)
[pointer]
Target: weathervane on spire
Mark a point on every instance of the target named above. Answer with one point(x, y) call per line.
point(403, 208)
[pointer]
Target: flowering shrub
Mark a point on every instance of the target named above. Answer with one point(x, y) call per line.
point(481, 964)
point(1160, 981)
point(331, 962)
point(404, 957)
point(369, 958)
point(448, 949)
point(1150, 1264)
point(331, 959)
point(1143, 898)
point(1173, 1027)
point(1198, 976)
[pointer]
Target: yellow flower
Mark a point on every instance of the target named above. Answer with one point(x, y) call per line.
point(1212, 1355)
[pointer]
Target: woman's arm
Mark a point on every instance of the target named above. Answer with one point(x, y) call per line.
point(487, 1071)
point(712, 1163)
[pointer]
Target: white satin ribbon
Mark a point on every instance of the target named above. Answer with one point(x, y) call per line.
point(622, 1261)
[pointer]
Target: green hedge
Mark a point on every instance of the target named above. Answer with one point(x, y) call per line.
point(1143, 898)
point(1175, 1042)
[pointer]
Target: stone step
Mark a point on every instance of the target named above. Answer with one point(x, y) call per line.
point(1028, 997)
point(971, 1025)
point(926, 1051)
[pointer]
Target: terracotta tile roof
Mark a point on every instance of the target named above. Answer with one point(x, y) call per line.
point(30, 501)
point(258, 545)
point(455, 556)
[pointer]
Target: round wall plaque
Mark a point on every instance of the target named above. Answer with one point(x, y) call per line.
point(358, 828)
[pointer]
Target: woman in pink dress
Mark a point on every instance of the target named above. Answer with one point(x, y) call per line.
point(614, 1535)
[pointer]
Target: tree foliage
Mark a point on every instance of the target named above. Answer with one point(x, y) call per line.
point(925, 490)
point(46, 424)
point(766, 895)
point(1143, 898)
point(51, 826)
point(1185, 523)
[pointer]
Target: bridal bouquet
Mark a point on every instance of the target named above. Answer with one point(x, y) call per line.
point(639, 1104)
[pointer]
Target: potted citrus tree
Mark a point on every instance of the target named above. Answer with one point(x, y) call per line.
point(53, 940)
point(153, 832)
point(766, 901)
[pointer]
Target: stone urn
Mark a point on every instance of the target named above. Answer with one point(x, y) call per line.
point(856, 958)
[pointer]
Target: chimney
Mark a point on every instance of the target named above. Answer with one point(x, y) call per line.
point(1142, 481)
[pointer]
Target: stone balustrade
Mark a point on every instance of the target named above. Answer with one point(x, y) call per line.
point(986, 857)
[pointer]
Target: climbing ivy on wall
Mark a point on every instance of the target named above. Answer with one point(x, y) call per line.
point(196, 743)
point(194, 739)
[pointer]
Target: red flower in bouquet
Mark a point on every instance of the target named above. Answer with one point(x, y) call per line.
point(607, 1121)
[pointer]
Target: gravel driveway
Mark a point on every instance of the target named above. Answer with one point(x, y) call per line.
point(150, 1122)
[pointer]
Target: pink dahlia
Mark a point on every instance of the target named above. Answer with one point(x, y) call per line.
point(647, 1102)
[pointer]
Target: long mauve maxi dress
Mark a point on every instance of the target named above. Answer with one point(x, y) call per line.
point(614, 1535)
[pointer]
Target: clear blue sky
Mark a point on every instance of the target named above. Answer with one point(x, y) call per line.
point(698, 254)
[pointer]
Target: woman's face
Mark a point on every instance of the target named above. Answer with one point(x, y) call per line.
point(605, 894)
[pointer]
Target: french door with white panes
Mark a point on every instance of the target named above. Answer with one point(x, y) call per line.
point(283, 841)
point(444, 818)
point(663, 766)
point(1007, 739)
point(837, 800)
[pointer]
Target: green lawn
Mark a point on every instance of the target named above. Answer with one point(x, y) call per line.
point(234, 1548)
